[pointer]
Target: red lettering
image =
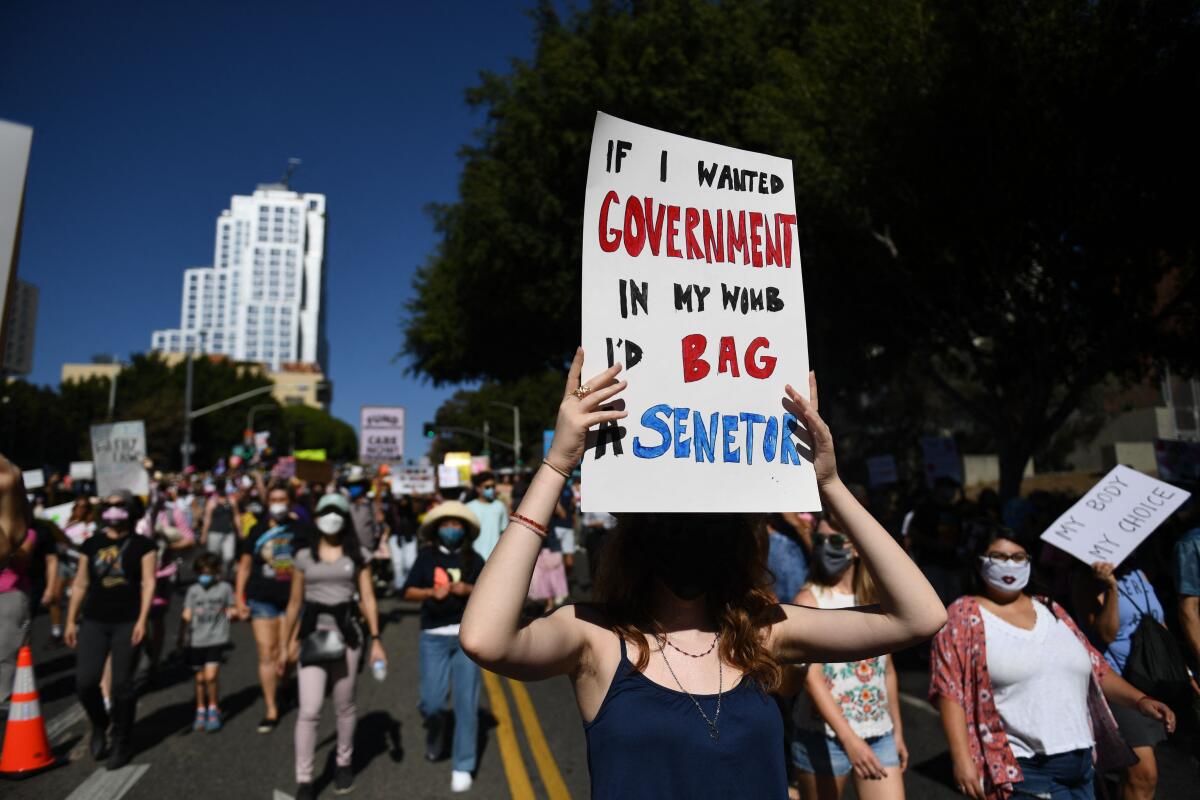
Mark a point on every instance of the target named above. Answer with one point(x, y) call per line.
point(691, 220)
point(654, 225)
point(634, 215)
point(737, 241)
point(773, 256)
point(763, 367)
point(727, 358)
point(672, 232)
point(694, 367)
point(788, 220)
point(610, 239)
point(756, 224)
point(712, 239)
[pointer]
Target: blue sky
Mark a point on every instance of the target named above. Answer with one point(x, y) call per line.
point(148, 116)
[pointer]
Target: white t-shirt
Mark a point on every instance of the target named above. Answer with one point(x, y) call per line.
point(1040, 679)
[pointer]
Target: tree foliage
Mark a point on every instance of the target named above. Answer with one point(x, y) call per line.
point(994, 195)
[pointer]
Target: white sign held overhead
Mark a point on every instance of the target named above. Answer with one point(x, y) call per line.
point(413, 480)
point(1115, 516)
point(448, 476)
point(118, 450)
point(381, 434)
point(83, 471)
point(691, 279)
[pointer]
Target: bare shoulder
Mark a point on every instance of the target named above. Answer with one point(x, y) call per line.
point(805, 597)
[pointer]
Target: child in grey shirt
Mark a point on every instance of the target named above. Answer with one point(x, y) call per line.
point(207, 607)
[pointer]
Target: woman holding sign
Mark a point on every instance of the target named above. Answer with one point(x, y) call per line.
point(1021, 690)
point(671, 668)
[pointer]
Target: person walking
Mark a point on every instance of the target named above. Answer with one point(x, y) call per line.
point(442, 579)
point(16, 610)
point(328, 573)
point(114, 592)
point(79, 527)
point(1111, 602)
point(673, 665)
point(207, 608)
point(848, 719)
point(491, 513)
point(218, 533)
point(266, 563)
point(1022, 692)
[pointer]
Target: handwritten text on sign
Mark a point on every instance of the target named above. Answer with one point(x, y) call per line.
point(1115, 516)
point(118, 450)
point(381, 434)
point(691, 279)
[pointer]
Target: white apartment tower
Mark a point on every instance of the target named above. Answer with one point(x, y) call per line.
point(261, 298)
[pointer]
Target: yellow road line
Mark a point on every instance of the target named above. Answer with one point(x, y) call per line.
point(552, 779)
point(510, 752)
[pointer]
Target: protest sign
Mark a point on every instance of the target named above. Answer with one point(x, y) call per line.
point(381, 434)
point(118, 450)
point(1177, 460)
point(691, 279)
point(462, 462)
point(1114, 516)
point(940, 455)
point(881, 471)
point(262, 440)
point(311, 471)
point(310, 455)
point(34, 478)
point(82, 471)
point(480, 464)
point(413, 480)
point(448, 476)
point(58, 514)
point(284, 468)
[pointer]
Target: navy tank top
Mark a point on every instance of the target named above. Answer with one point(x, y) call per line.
point(648, 741)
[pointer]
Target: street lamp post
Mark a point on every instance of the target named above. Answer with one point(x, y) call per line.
point(516, 445)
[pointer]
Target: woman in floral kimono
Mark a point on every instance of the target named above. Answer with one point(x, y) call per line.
point(1021, 691)
point(845, 722)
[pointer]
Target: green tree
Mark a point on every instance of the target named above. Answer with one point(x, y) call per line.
point(537, 396)
point(995, 195)
point(311, 428)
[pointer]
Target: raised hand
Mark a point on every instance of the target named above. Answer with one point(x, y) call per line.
point(576, 413)
point(824, 461)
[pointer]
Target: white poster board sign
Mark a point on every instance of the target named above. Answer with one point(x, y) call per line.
point(381, 434)
point(83, 471)
point(691, 279)
point(34, 478)
point(940, 455)
point(448, 476)
point(882, 471)
point(413, 480)
point(58, 514)
point(118, 450)
point(1115, 516)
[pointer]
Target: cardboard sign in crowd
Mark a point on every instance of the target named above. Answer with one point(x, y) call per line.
point(691, 279)
point(1115, 516)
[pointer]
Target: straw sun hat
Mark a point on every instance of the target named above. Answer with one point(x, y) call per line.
point(451, 509)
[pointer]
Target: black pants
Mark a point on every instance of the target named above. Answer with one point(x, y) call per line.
point(96, 641)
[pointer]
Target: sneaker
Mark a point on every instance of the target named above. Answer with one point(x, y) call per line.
point(200, 720)
point(460, 781)
point(343, 780)
point(304, 791)
point(99, 743)
point(214, 720)
point(266, 725)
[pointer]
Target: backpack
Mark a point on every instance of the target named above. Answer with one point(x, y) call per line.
point(1156, 664)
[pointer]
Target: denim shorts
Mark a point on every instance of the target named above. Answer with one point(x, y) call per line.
point(813, 751)
point(260, 609)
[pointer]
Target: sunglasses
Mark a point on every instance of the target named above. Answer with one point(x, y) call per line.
point(837, 541)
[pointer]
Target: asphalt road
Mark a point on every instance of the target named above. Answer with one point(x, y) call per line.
point(532, 744)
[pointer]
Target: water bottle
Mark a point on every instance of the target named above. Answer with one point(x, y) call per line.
point(379, 668)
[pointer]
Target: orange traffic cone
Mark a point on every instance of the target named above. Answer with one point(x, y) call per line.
point(26, 748)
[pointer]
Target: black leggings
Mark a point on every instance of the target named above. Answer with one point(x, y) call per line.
point(96, 641)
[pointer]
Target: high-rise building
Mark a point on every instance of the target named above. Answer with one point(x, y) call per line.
point(19, 327)
point(261, 298)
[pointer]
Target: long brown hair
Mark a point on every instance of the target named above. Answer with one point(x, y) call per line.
point(738, 597)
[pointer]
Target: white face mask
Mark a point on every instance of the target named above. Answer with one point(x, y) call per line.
point(330, 524)
point(278, 510)
point(1006, 577)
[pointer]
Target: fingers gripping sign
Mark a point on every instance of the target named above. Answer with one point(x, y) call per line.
point(585, 405)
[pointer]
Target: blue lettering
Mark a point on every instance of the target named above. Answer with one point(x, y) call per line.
point(650, 420)
point(788, 455)
point(704, 436)
point(683, 445)
point(729, 426)
point(771, 439)
point(750, 418)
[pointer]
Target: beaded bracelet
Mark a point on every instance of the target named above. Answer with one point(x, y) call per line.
point(559, 470)
point(521, 521)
